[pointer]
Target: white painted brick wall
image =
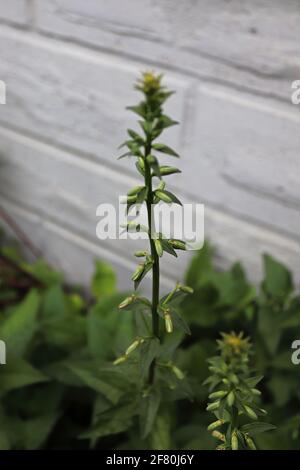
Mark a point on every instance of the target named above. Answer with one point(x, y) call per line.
point(69, 76)
point(16, 11)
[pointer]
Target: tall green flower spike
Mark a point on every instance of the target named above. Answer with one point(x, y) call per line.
point(145, 148)
point(234, 398)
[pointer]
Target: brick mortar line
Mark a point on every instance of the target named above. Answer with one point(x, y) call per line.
point(137, 59)
point(88, 161)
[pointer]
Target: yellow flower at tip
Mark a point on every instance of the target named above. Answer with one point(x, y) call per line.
point(149, 82)
point(237, 342)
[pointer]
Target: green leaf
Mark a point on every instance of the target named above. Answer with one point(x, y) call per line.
point(291, 318)
point(18, 373)
point(92, 377)
point(34, 432)
point(147, 268)
point(278, 279)
point(109, 331)
point(269, 328)
point(149, 406)
point(165, 149)
point(167, 247)
point(167, 196)
point(161, 433)
point(67, 333)
point(179, 322)
point(168, 170)
point(114, 421)
point(136, 137)
point(53, 304)
point(257, 428)
point(140, 109)
point(18, 329)
point(43, 273)
point(165, 121)
point(200, 267)
point(149, 350)
point(142, 195)
point(104, 279)
point(154, 165)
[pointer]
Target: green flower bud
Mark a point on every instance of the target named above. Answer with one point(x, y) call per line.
point(127, 301)
point(255, 391)
point(215, 424)
point(140, 254)
point(234, 442)
point(250, 442)
point(158, 247)
point(251, 413)
point(163, 196)
point(151, 159)
point(186, 289)
point(133, 346)
point(161, 185)
point(179, 374)
point(230, 398)
point(119, 360)
point(138, 272)
point(219, 394)
point(178, 244)
point(213, 406)
point(168, 170)
point(131, 199)
point(168, 323)
point(134, 190)
point(218, 435)
point(141, 163)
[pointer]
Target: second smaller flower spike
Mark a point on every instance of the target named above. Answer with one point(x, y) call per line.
point(233, 396)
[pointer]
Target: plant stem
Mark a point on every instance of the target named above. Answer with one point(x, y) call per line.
point(155, 258)
point(20, 234)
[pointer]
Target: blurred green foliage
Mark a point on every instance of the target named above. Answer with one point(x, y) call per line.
point(59, 388)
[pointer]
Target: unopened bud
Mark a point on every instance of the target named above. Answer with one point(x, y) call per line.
point(119, 360)
point(127, 301)
point(234, 442)
point(218, 435)
point(163, 196)
point(138, 272)
point(168, 170)
point(134, 190)
point(161, 185)
point(186, 289)
point(158, 247)
point(132, 347)
point(178, 244)
point(215, 424)
point(140, 254)
point(168, 323)
point(219, 394)
point(179, 374)
point(250, 442)
point(213, 406)
point(230, 398)
point(251, 413)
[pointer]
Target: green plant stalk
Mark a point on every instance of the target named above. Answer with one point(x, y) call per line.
point(155, 267)
point(145, 148)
